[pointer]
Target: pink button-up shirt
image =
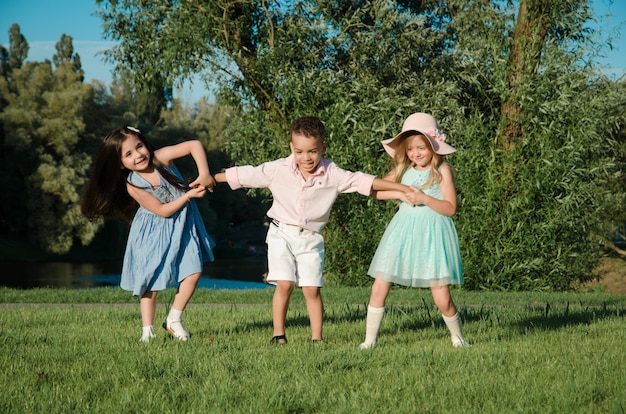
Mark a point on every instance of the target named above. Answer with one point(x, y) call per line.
point(298, 202)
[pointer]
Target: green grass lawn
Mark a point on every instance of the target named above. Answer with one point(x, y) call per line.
point(79, 351)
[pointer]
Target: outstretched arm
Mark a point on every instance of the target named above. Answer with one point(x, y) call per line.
point(404, 196)
point(167, 155)
point(387, 189)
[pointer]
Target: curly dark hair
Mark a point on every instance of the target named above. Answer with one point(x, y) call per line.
point(309, 126)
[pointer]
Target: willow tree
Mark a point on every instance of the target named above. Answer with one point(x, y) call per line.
point(360, 66)
point(541, 170)
point(363, 66)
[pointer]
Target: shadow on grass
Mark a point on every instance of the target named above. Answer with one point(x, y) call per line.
point(518, 320)
point(296, 317)
point(544, 317)
point(552, 319)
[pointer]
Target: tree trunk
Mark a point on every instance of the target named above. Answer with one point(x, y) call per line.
point(532, 25)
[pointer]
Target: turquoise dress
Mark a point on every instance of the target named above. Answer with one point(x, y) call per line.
point(161, 252)
point(420, 247)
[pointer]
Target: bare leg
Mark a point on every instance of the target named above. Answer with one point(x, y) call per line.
point(280, 305)
point(147, 305)
point(443, 300)
point(185, 291)
point(315, 308)
point(380, 291)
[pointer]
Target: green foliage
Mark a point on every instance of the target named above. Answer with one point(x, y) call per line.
point(18, 47)
point(529, 217)
point(53, 124)
point(42, 154)
point(527, 213)
point(359, 107)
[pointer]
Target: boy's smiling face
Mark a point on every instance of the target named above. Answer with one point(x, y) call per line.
point(308, 153)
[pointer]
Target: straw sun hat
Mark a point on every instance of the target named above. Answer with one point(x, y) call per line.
point(424, 124)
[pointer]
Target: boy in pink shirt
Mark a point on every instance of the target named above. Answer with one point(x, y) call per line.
point(304, 187)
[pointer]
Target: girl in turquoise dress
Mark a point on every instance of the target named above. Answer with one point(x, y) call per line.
point(420, 247)
point(167, 243)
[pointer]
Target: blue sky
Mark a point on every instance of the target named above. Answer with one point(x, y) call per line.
point(43, 22)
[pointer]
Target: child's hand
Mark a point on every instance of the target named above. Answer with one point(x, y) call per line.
point(415, 196)
point(404, 197)
point(205, 181)
point(196, 192)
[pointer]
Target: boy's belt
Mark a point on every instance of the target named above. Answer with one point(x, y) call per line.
point(290, 226)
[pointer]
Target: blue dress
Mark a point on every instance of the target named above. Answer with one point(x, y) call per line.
point(161, 252)
point(420, 247)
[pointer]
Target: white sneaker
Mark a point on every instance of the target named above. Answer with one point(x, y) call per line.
point(366, 345)
point(462, 344)
point(176, 329)
point(147, 335)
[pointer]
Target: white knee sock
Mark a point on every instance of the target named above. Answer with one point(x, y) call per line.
point(374, 319)
point(454, 326)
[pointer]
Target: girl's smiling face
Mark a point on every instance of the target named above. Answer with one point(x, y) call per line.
point(134, 154)
point(419, 152)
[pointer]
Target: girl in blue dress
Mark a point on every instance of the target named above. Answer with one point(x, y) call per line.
point(420, 247)
point(167, 243)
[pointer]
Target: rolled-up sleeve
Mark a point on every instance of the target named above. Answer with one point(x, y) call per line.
point(232, 178)
point(349, 182)
point(365, 183)
point(249, 176)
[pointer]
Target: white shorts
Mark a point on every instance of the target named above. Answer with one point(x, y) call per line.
point(294, 254)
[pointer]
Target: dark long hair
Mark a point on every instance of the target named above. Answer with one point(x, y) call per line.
point(105, 194)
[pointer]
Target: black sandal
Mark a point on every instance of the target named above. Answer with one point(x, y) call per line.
point(278, 338)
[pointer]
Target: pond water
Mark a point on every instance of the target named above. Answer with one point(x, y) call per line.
point(240, 273)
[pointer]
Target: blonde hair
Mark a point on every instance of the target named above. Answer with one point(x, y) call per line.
point(403, 163)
